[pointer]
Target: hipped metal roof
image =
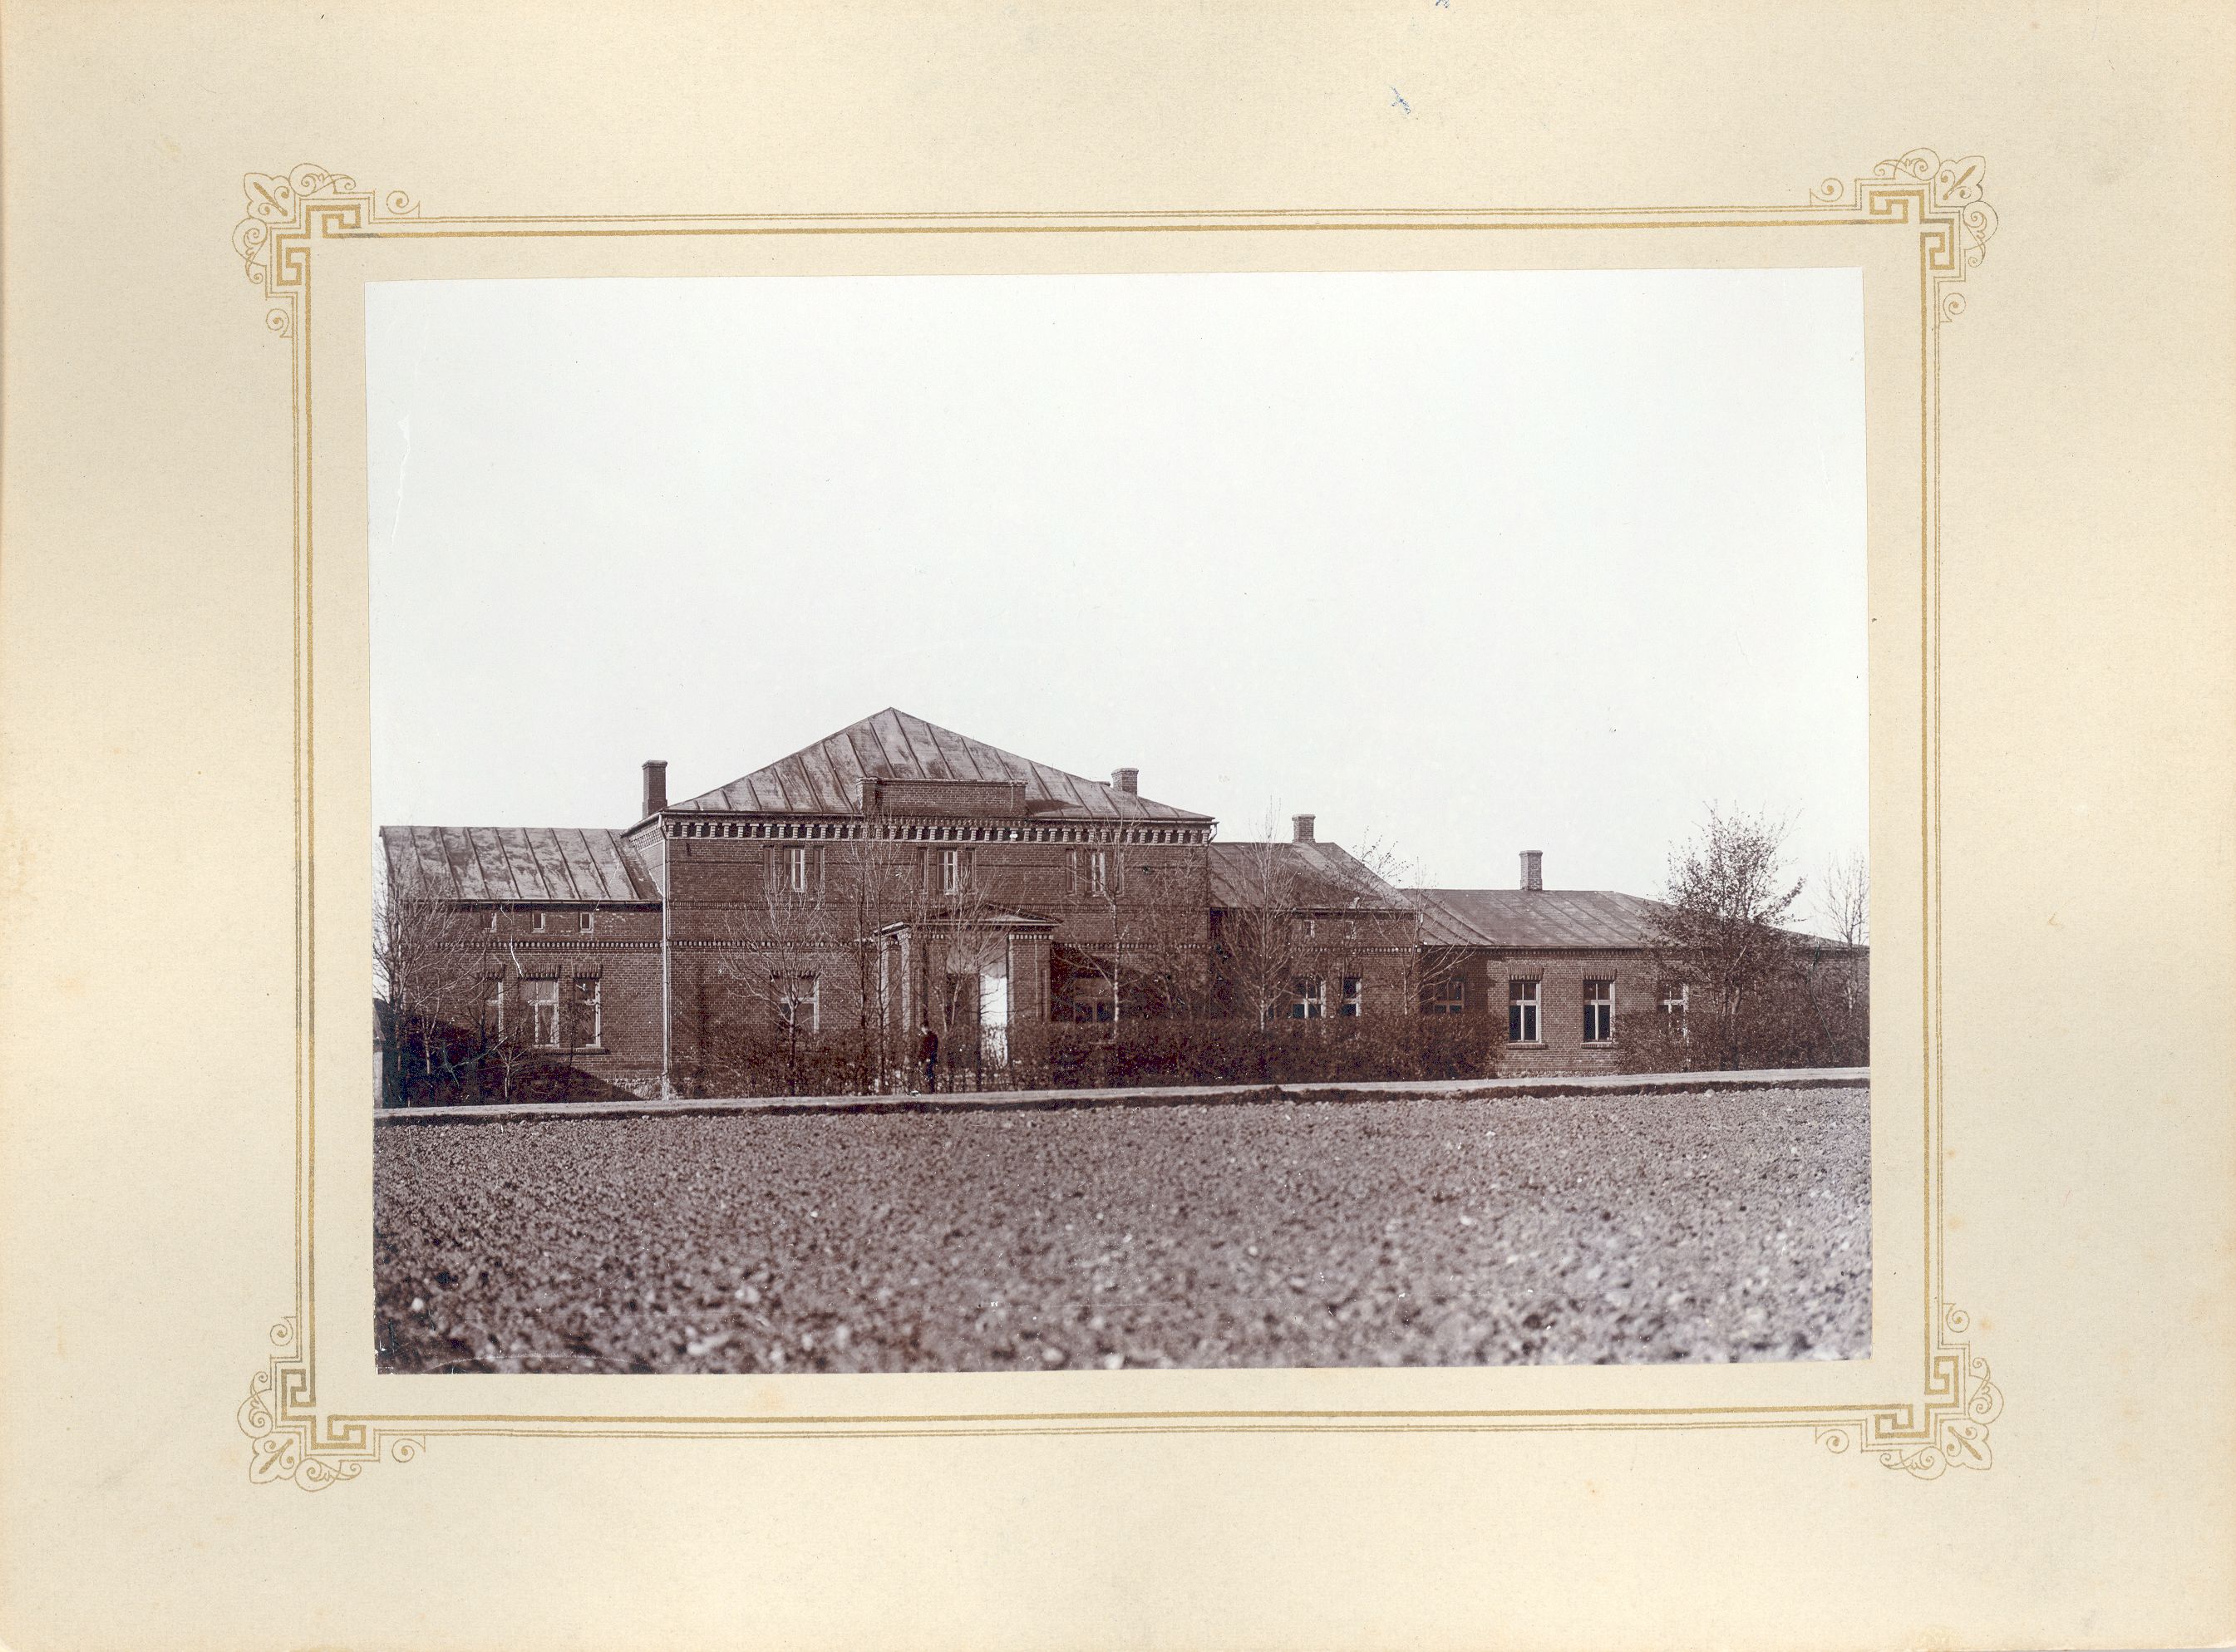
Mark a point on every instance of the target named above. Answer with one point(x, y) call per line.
point(826, 778)
point(515, 863)
point(1533, 918)
point(1304, 877)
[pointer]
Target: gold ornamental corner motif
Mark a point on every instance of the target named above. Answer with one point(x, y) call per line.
point(288, 1440)
point(1944, 1427)
point(1949, 1430)
point(1942, 198)
point(284, 212)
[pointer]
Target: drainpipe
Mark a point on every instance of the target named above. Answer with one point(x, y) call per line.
point(666, 978)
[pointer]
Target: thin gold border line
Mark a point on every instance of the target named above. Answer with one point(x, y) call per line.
point(406, 229)
point(1926, 480)
point(1785, 1415)
point(1905, 1411)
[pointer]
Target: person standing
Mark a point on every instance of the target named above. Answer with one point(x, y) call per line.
point(927, 1051)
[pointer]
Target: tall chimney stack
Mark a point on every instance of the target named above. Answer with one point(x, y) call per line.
point(1127, 780)
point(1533, 868)
point(655, 787)
point(1301, 827)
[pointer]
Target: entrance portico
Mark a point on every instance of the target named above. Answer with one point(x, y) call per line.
point(971, 977)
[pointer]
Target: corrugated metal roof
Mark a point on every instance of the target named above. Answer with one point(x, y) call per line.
point(1305, 877)
point(515, 863)
point(1533, 918)
point(826, 777)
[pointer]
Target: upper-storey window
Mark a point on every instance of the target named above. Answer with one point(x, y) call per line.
point(795, 869)
point(1098, 872)
point(950, 871)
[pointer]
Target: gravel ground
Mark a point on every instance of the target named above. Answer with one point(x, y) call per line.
point(1717, 1227)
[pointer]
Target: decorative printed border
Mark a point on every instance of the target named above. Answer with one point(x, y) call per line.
point(1945, 1426)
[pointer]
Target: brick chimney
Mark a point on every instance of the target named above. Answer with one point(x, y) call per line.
point(1533, 868)
point(655, 787)
point(1300, 827)
point(1127, 780)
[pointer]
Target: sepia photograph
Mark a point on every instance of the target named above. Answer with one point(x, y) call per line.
point(930, 823)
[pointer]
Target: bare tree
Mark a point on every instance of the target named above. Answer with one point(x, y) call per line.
point(1844, 898)
point(430, 959)
point(1258, 941)
point(1721, 925)
point(777, 969)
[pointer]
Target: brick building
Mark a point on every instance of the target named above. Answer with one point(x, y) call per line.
point(1571, 970)
point(799, 927)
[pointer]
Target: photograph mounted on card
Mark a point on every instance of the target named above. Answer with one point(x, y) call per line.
point(1301, 821)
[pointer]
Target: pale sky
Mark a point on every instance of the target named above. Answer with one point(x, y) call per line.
point(1477, 562)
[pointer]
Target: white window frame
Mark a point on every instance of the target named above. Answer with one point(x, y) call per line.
point(1528, 996)
point(950, 871)
point(530, 993)
point(542, 917)
point(795, 869)
point(1308, 998)
point(1098, 872)
point(496, 1000)
point(789, 998)
point(1599, 1009)
point(1354, 997)
point(587, 923)
point(1678, 1001)
point(1449, 997)
point(595, 1000)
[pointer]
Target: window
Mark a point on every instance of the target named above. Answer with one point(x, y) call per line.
point(798, 1002)
point(539, 922)
point(1448, 998)
point(492, 921)
point(493, 1007)
point(587, 923)
point(1098, 872)
point(1310, 1003)
point(1353, 996)
point(1599, 1011)
point(589, 1013)
point(795, 869)
point(950, 871)
point(1521, 1012)
point(1674, 1001)
point(543, 1012)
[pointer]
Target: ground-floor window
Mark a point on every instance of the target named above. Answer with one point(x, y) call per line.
point(1521, 1012)
point(589, 1011)
point(542, 998)
point(1353, 996)
point(798, 1003)
point(1448, 998)
point(1309, 1002)
point(1599, 1011)
point(1674, 1001)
